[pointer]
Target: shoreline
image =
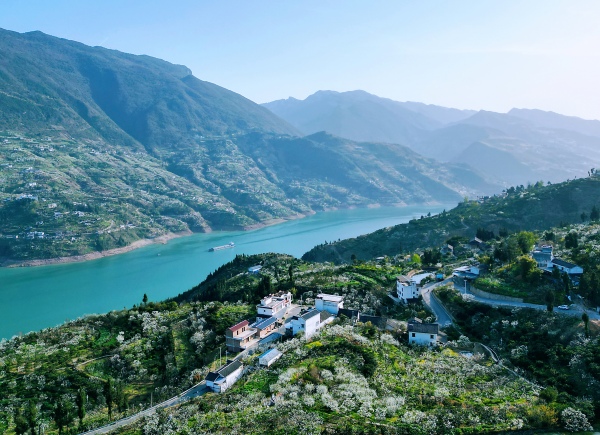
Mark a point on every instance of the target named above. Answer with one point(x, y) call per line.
point(96, 254)
point(170, 236)
point(164, 239)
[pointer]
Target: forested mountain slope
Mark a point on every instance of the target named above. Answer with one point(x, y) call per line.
point(535, 207)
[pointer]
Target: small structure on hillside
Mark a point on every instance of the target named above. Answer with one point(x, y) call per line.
point(255, 270)
point(329, 303)
point(224, 377)
point(466, 272)
point(269, 357)
point(447, 250)
point(423, 334)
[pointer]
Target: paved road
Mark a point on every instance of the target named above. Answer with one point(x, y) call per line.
point(442, 316)
point(195, 391)
point(575, 309)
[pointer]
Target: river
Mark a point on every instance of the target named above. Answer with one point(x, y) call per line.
point(33, 298)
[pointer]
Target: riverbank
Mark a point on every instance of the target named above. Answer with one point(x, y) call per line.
point(96, 254)
point(138, 244)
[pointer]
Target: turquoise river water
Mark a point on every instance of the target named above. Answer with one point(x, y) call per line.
point(33, 298)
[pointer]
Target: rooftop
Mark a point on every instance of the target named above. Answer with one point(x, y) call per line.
point(310, 314)
point(263, 323)
point(563, 263)
point(229, 367)
point(271, 354)
point(239, 325)
point(404, 279)
point(330, 298)
point(325, 315)
point(427, 328)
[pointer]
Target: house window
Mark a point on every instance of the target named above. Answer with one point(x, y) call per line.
point(413, 334)
point(431, 336)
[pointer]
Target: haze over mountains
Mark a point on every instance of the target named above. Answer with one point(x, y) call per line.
point(513, 148)
point(104, 147)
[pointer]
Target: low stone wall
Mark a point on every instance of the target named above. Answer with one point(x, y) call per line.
point(487, 295)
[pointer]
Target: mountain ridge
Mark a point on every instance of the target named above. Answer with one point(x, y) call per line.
point(553, 146)
point(100, 148)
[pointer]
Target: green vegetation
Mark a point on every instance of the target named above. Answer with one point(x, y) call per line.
point(348, 378)
point(531, 208)
point(548, 348)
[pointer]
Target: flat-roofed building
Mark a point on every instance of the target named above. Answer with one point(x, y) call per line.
point(330, 303)
point(275, 305)
point(407, 288)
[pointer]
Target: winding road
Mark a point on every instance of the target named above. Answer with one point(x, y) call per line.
point(445, 319)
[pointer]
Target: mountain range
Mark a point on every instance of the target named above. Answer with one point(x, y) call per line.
point(511, 148)
point(100, 148)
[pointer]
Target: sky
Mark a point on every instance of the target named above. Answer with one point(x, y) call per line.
point(468, 54)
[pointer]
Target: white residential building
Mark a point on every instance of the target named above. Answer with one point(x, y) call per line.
point(543, 256)
point(407, 288)
point(308, 322)
point(275, 305)
point(565, 266)
point(224, 377)
point(329, 303)
point(423, 334)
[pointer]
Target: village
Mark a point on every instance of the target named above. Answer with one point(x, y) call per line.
point(278, 318)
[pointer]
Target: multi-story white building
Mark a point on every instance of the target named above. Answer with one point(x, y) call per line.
point(308, 322)
point(543, 256)
point(275, 305)
point(407, 288)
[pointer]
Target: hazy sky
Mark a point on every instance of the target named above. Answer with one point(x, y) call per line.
point(478, 54)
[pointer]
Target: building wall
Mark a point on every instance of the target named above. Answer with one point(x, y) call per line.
point(422, 339)
point(407, 291)
point(330, 307)
point(312, 325)
point(232, 378)
point(309, 326)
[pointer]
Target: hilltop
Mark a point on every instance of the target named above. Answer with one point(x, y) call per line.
point(536, 207)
